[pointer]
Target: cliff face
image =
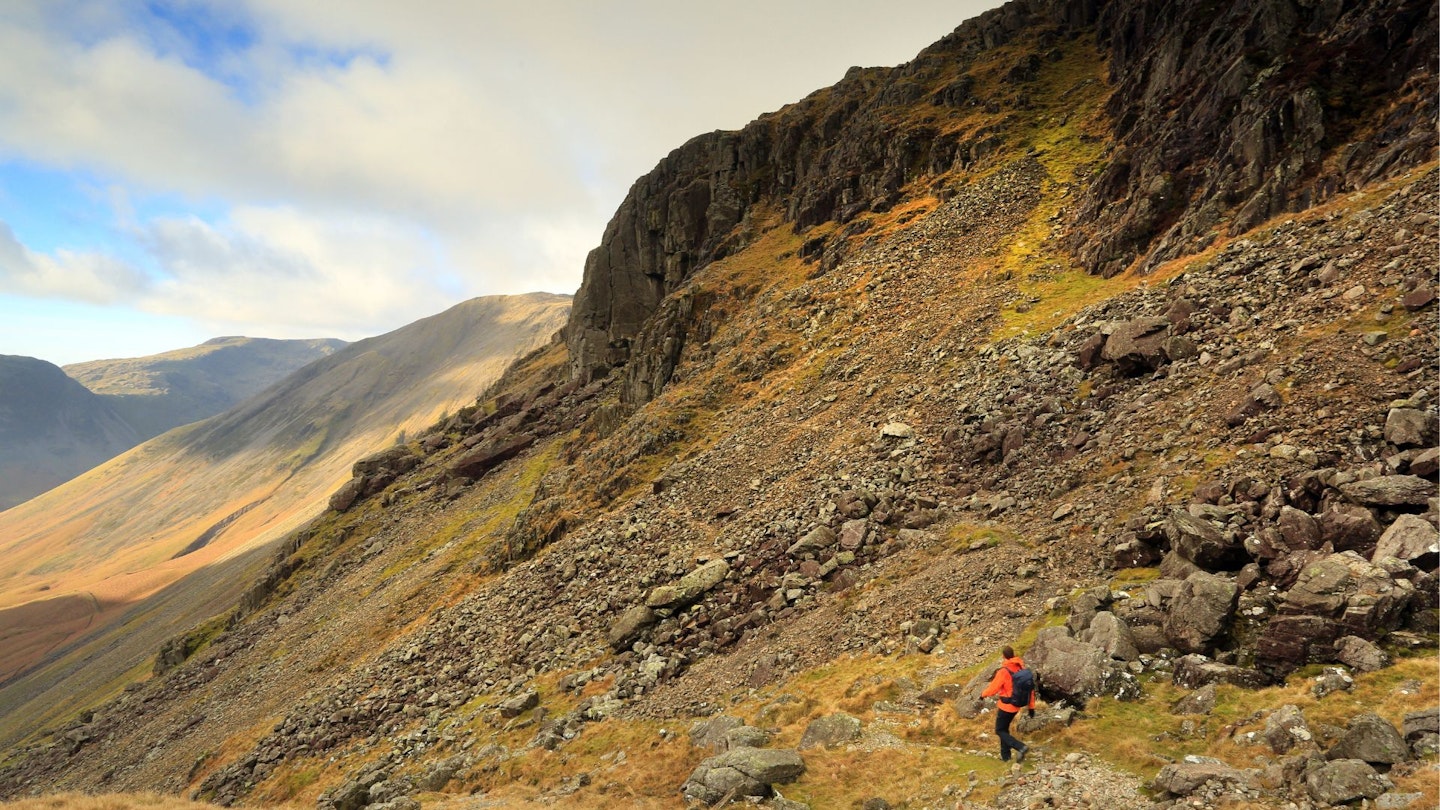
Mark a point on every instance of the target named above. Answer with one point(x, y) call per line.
point(850, 148)
point(1227, 114)
point(1222, 114)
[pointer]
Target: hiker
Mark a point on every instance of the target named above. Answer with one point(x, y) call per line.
point(1016, 687)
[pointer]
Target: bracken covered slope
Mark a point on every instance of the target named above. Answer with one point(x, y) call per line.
point(856, 395)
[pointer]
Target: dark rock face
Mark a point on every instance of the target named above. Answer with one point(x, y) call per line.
point(1258, 126)
point(486, 457)
point(1342, 594)
point(1282, 77)
point(372, 474)
point(828, 158)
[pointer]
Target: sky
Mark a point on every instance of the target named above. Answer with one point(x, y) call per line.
point(176, 170)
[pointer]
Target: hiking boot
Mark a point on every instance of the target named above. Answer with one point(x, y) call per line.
point(1020, 757)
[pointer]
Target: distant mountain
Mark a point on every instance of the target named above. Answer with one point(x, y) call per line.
point(164, 391)
point(205, 492)
point(54, 427)
point(51, 428)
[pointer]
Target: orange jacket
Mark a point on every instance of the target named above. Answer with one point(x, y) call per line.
point(1002, 685)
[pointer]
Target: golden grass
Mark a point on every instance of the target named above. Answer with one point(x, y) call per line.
point(904, 776)
point(649, 775)
point(105, 801)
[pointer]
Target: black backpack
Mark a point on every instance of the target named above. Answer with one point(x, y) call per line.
point(1022, 686)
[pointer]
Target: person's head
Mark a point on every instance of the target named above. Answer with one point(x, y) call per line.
point(1007, 652)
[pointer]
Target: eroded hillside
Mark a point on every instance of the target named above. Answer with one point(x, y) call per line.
point(842, 410)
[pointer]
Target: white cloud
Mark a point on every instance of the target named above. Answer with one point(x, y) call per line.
point(372, 160)
point(283, 273)
point(93, 278)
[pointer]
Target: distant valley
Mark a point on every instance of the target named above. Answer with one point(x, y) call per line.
point(85, 551)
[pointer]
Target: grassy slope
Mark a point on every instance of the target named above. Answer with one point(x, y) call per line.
point(258, 472)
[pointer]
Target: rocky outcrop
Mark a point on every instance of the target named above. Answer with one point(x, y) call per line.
point(830, 157)
point(1265, 92)
point(374, 473)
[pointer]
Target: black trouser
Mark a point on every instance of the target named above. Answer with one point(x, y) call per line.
point(1002, 730)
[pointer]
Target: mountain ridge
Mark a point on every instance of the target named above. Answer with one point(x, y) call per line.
point(194, 495)
point(166, 390)
point(134, 399)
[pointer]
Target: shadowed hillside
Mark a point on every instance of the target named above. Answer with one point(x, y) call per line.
point(163, 391)
point(51, 428)
point(198, 494)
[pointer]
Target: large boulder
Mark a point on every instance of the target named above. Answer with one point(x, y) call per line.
point(1201, 612)
point(1412, 539)
point(1371, 738)
point(480, 460)
point(1195, 671)
point(1360, 655)
point(1200, 542)
point(630, 625)
point(1137, 346)
point(1390, 490)
point(1409, 427)
point(395, 460)
point(1425, 721)
point(830, 731)
point(1298, 529)
point(1345, 780)
point(689, 587)
point(348, 493)
point(968, 703)
point(1110, 633)
point(1185, 777)
point(1200, 701)
point(742, 772)
point(817, 539)
point(1285, 728)
point(1348, 527)
point(1074, 670)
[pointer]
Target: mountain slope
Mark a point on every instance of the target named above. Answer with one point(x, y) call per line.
point(163, 391)
point(842, 409)
point(198, 494)
point(51, 428)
